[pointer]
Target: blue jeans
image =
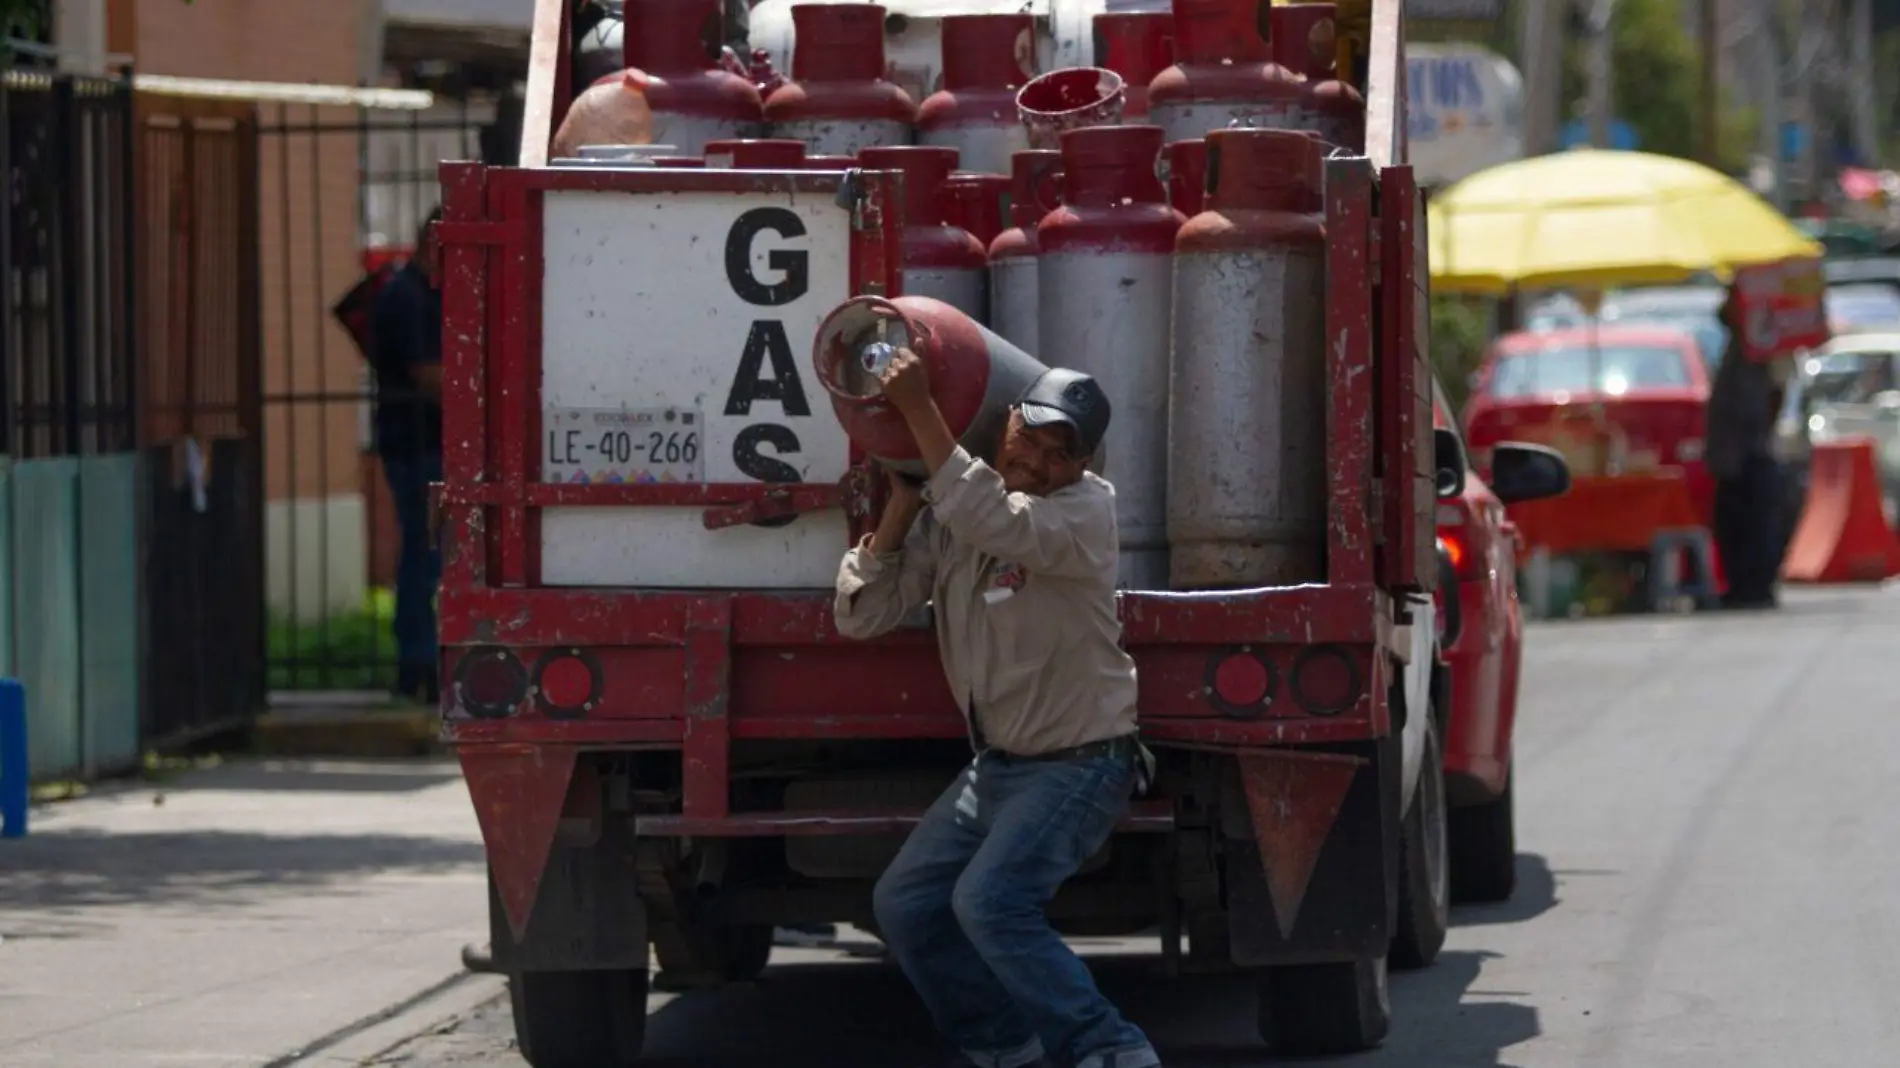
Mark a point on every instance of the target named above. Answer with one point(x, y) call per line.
point(962, 911)
point(419, 564)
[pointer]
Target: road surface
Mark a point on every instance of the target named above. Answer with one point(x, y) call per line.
point(1710, 843)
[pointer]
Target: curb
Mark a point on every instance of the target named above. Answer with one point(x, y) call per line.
point(395, 732)
point(430, 1011)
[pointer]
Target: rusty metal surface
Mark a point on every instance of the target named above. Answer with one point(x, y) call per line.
point(1144, 817)
point(1406, 557)
point(1294, 800)
point(519, 792)
point(1349, 372)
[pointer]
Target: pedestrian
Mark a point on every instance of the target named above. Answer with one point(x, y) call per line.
point(406, 357)
point(1740, 457)
point(1019, 561)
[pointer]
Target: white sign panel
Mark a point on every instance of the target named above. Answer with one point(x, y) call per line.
point(676, 346)
point(1465, 107)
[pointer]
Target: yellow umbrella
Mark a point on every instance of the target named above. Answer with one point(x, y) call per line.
point(1592, 218)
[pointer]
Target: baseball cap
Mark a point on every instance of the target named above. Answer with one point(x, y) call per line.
point(1060, 395)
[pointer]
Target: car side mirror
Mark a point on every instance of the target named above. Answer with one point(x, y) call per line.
point(1524, 472)
point(1448, 458)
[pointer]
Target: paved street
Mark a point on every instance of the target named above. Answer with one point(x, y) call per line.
point(1709, 847)
point(1709, 844)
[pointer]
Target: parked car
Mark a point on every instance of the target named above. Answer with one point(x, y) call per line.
point(1863, 308)
point(1614, 400)
point(1483, 648)
point(1848, 387)
point(1695, 308)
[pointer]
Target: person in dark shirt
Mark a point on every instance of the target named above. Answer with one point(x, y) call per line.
point(1743, 402)
point(406, 356)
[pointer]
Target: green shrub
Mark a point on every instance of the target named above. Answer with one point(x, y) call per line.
point(347, 650)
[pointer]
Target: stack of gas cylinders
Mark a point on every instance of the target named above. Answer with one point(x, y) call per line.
point(1168, 240)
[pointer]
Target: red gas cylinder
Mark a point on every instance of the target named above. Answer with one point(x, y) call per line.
point(1247, 467)
point(764, 154)
point(1014, 303)
point(1186, 165)
point(693, 100)
point(830, 163)
point(1306, 42)
point(940, 260)
point(1137, 46)
point(1223, 72)
point(838, 101)
point(1070, 99)
point(1105, 271)
point(974, 202)
point(974, 375)
point(986, 60)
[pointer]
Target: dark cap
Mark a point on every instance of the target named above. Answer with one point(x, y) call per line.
point(1060, 395)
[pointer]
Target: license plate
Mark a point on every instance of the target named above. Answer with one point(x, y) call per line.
point(608, 446)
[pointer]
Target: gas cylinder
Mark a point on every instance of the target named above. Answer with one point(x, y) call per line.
point(940, 260)
point(693, 102)
point(974, 202)
point(1105, 273)
point(1186, 165)
point(1247, 462)
point(1014, 307)
point(763, 154)
point(1223, 72)
point(974, 375)
point(1136, 45)
point(838, 101)
point(1069, 99)
point(986, 60)
point(1306, 42)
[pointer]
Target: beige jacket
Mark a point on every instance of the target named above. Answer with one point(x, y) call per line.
point(1023, 590)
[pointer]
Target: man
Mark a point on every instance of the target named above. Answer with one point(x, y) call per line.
point(406, 356)
point(1019, 561)
point(1739, 454)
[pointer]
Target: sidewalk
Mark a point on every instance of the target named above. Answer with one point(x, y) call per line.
point(235, 916)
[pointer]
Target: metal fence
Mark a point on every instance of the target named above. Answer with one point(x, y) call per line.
point(343, 190)
point(70, 553)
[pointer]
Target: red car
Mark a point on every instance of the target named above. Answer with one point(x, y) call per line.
point(1482, 646)
point(1617, 399)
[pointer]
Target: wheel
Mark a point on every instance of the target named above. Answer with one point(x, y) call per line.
point(1324, 1009)
point(744, 950)
point(1484, 850)
point(1424, 881)
point(581, 1019)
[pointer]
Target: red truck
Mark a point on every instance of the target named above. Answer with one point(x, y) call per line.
point(670, 748)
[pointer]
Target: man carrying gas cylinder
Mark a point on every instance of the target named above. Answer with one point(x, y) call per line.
point(1019, 561)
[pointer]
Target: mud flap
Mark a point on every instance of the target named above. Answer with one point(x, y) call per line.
point(1307, 857)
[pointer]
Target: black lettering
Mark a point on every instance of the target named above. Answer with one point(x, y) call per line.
point(793, 265)
point(755, 464)
point(563, 445)
point(767, 339)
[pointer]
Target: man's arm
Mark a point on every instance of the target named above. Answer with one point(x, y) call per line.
point(889, 574)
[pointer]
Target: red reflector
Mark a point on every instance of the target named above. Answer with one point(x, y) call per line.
point(1326, 681)
point(566, 682)
point(1241, 680)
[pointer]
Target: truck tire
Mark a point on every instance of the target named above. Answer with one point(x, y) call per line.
point(580, 1019)
point(1484, 849)
point(1314, 1010)
point(1424, 863)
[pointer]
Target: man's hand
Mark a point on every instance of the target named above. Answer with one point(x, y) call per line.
point(906, 383)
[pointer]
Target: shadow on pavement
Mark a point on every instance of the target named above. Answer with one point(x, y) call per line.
point(1536, 894)
point(72, 868)
point(318, 776)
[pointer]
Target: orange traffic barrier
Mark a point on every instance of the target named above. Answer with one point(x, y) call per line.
point(1843, 535)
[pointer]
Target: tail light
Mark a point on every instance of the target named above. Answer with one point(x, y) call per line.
point(1456, 545)
point(490, 682)
point(1240, 682)
point(566, 683)
point(1327, 681)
